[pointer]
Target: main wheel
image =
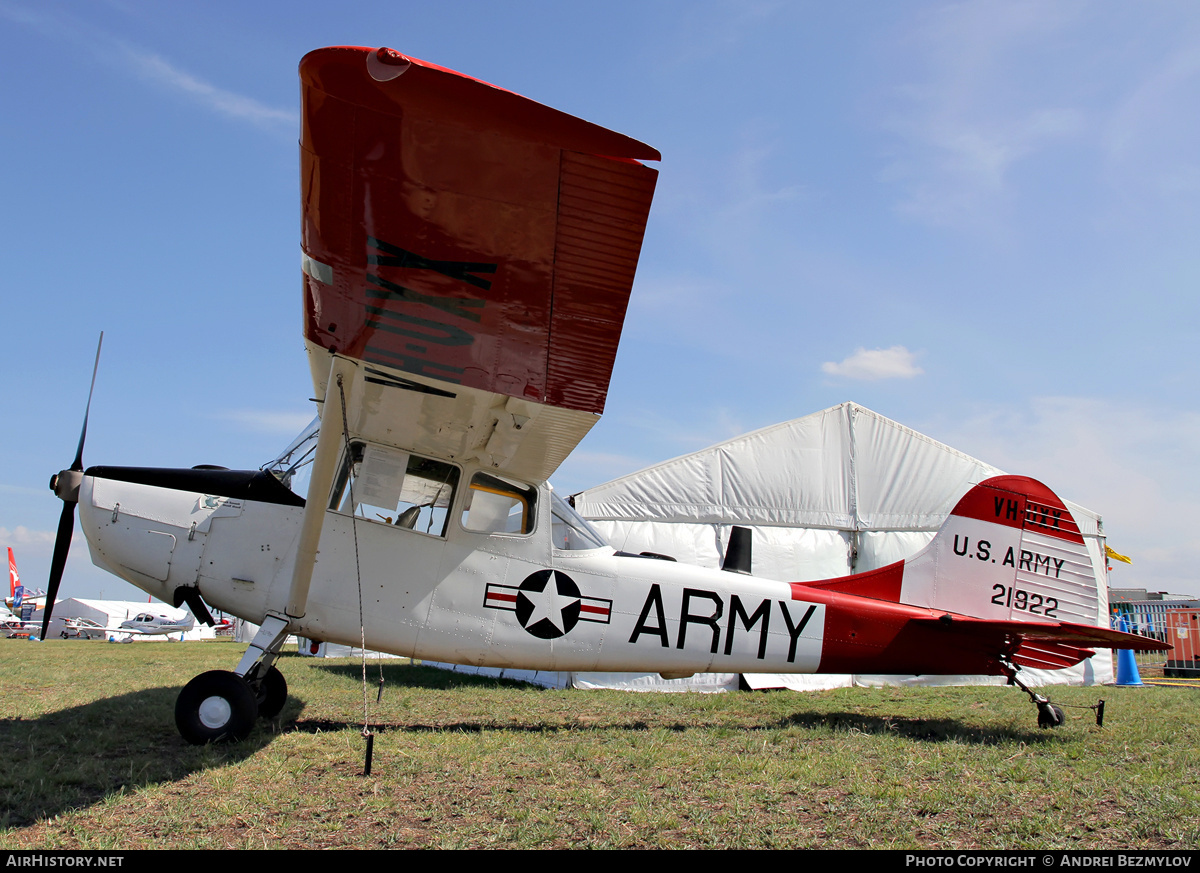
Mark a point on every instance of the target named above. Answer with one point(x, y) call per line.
point(272, 694)
point(216, 707)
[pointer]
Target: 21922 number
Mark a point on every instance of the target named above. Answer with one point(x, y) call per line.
point(1024, 600)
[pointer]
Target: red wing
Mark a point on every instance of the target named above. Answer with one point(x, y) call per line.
point(462, 233)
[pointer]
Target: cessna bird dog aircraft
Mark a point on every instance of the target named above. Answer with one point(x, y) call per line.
point(467, 258)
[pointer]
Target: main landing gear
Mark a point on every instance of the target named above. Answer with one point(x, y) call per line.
point(215, 707)
point(221, 706)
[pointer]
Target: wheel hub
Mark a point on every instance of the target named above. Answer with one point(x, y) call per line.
point(215, 712)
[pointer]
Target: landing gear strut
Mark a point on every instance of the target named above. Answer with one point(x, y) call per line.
point(1049, 714)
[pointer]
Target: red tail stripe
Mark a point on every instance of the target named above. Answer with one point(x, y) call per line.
point(1020, 502)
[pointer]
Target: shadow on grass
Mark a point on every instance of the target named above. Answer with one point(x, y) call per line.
point(933, 730)
point(80, 756)
point(930, 730)
point(408, 675)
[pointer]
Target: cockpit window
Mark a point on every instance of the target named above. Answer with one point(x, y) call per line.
point(294, 463)
point(393, 487)
point(570, 529)
point(498, 505)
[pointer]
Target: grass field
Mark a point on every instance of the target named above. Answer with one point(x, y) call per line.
point(92, 760)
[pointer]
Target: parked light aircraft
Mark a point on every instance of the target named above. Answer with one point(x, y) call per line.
point(11, 625)
point(149, 622)
point(467, 258)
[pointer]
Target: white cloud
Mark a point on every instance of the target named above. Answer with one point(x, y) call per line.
point(23, 536)
point(584, 469)
point(1152, 135)
point(105, 47)
point(976, 109)
point(717, 30)
point(752, 185)
point(871, 364)
point(160, 71)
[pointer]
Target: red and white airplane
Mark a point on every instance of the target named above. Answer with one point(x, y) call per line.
point(20, 599)
point(467, 259)
point(20, 605)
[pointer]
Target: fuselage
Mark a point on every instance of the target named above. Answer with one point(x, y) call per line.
point(534, 593)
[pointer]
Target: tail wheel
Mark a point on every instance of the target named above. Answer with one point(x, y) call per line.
point(1050, 715)
point(216, 707)
point(272, 694)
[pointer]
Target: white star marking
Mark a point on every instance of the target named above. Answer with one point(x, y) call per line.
point(549, 604)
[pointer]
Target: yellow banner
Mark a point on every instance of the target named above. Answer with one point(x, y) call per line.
point(1116, 556)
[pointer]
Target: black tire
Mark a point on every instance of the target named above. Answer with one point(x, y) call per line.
point(1050, 716)
point(272, 694)
point(216, 707)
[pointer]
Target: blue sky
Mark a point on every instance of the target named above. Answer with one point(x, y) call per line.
point(977, 218)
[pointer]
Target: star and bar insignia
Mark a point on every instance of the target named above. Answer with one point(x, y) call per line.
point(548, 603)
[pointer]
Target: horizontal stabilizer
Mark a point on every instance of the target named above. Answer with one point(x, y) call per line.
point(1059, 633)
point(1049, 656)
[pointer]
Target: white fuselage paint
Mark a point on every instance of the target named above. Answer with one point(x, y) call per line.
point(994, 571)
point(452, 598)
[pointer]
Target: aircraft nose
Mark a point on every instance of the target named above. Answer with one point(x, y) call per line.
point(65, 484)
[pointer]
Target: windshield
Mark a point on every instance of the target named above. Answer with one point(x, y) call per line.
point(291, 467)
point(572, 530)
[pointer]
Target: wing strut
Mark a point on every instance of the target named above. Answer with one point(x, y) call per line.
point(275, 627)
point(329, 444)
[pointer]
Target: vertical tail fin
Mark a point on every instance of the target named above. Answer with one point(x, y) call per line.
point(15, 589)
point(1010, 550)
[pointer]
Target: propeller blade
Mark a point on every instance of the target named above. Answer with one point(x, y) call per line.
point(66, 521)
point(62, 544)
point(78, 463)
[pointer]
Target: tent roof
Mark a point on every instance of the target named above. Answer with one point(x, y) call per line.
point(845, 468)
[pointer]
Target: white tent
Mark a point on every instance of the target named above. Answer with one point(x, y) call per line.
point(840, 491)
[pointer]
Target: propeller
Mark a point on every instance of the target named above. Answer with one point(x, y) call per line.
point(66, 485)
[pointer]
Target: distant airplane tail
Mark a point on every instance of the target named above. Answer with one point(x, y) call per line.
point(1009, 562)
point(15, 589)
